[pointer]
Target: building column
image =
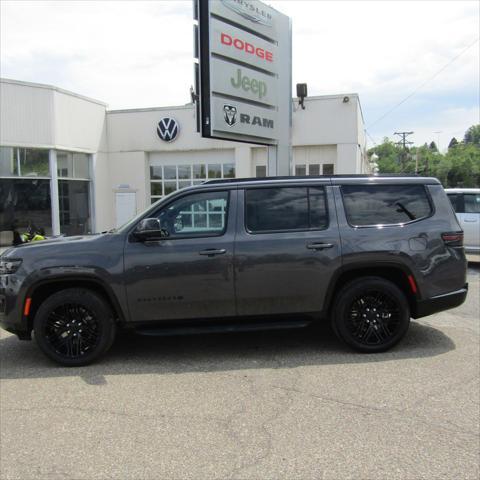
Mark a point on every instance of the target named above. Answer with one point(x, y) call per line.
point(92, 193)
point(52, 160)
point(243, 162)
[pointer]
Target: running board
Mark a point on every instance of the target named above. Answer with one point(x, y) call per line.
point(222, 328)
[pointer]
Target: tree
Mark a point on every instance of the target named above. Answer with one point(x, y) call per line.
point(453, 143)
point(459, 167)
point(472, 135)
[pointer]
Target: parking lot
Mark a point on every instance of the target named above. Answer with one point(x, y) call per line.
point(270, 405)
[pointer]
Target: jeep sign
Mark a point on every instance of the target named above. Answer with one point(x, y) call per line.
point(245, 71)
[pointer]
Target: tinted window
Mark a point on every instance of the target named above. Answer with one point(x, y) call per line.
point(285, 208)
point(318, 208)
point(385, 204)
point(456, 201)
point(196, 214)
point(472, 202)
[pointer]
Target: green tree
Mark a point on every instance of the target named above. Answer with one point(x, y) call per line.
point(459, 167)
point(433, 146)
point(472, 135)
point(453, 143)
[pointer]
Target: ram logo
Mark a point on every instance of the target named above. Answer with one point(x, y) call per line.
point(230, 115)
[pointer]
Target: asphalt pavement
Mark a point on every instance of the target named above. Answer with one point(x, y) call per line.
point(270, 405)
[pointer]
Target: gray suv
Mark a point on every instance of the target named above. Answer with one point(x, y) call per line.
point(366, 253)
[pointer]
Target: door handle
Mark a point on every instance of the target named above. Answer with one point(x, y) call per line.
point(211, 252)
point(319, 245)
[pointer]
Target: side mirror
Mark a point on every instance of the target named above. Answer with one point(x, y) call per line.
point(150, 229)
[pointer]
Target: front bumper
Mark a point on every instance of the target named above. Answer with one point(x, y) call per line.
point(11, 307)
point(442, 302)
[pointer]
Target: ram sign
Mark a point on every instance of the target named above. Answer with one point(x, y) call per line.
point(244, 81)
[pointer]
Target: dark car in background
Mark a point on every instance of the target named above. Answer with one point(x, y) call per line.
point(367, 253)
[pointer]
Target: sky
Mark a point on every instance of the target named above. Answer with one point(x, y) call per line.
point(133, 54)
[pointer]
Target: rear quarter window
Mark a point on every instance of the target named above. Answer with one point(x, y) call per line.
point(385, 204)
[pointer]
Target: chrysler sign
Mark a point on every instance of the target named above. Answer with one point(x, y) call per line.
point(244, 70)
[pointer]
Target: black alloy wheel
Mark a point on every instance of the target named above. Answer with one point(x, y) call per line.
point(72, 330)
point(371, 314)
point(74, 327)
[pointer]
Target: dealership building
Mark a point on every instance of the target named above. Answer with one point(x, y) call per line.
point(70, 165)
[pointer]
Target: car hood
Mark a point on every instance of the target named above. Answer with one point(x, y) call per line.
point(60, 241)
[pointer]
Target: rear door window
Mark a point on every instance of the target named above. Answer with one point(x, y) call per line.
point(285, 208)
point(385, 204)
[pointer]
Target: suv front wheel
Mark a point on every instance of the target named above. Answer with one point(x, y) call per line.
point(371, 314)
point(74, 327)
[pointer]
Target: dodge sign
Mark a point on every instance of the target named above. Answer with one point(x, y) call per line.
point(244, 81)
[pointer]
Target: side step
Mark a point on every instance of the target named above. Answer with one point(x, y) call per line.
point(222, 328)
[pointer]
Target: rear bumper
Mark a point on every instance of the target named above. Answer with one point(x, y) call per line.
point(472, 254)
point(441, 302)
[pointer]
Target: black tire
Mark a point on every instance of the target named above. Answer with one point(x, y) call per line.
point(370, 314)
point(74, 327)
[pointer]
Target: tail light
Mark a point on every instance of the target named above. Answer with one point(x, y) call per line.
point(453, 239)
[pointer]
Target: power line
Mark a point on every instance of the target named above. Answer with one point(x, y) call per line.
point(424, 83)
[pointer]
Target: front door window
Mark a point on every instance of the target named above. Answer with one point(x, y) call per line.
point(197, 214)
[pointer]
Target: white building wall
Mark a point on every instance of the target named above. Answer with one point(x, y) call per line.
point(326, 120)
point(78, 124)
point(346, 158)
point(26, 118)
point(41, 116)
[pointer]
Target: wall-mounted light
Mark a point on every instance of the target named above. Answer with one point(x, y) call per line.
point(301, 94)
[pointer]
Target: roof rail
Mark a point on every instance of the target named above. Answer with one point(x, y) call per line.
point(292, 177)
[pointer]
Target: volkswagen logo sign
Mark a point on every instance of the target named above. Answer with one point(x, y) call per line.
point(168, 129)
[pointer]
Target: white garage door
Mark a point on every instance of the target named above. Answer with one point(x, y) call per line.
point(315, 160)
point(170, 171)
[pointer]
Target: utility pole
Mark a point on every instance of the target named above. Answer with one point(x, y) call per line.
point(403, 142)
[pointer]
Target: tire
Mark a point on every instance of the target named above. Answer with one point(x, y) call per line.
point(74, 327)
point(370, 314)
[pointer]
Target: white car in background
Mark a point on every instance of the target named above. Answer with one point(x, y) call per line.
point(466, 203)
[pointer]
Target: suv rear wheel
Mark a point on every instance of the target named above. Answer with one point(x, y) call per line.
point(74, 327)
point(371, 314)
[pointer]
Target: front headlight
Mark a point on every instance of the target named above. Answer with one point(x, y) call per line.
point(9, 266)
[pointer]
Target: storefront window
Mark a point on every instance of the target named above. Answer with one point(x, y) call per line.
point(24, 203)
point(73, 165)
point(328, 169)
point(168, 178)
point(24, 162)
point(74, 203)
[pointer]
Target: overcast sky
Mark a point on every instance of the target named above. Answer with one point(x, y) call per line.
point(133, 54)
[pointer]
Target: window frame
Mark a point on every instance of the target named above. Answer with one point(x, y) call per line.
point(384, 225)
point(154, 213)
point(310, 229)
point(193, 180)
